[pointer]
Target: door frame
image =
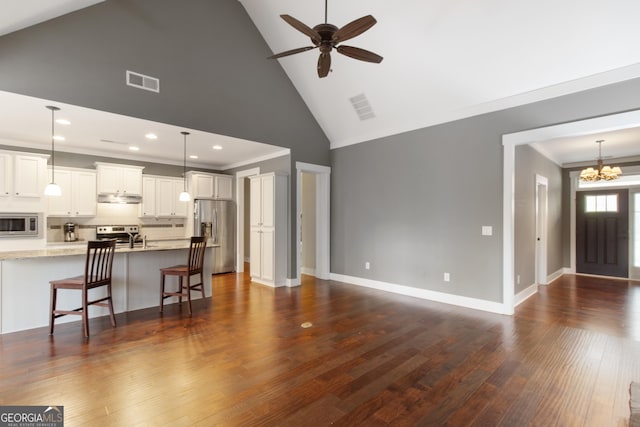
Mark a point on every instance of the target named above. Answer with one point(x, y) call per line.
point(542, 219)
point(323, 215)
point(509, 142)
point(240, 219)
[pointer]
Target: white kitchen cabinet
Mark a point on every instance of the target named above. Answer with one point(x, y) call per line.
point(23, 177)
point(119, 179)
point(268, 229)
point(160, 197)
point(78, 193)
point(148, 205)
point(207, 186)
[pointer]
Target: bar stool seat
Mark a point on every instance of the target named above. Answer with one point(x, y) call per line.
point(97, 273)
point(194, 266)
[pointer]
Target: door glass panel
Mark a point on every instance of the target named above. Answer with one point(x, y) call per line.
point(601, 203)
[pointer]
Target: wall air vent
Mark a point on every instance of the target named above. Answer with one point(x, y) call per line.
point(143, 82)
point(363, 108)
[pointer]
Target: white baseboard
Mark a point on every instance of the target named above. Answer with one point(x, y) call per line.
point(522, 296)
point(477, 304)
point(309, 271)
point(556, 275)
point(293, 282)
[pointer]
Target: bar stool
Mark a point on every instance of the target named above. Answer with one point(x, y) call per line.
point(97, 273)
point(193, 267)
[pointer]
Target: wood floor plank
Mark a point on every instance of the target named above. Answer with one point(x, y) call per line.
point(370, 358)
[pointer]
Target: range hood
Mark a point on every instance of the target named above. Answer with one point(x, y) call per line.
point(119, 198)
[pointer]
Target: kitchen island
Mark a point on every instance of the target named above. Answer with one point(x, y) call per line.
point(25, 276)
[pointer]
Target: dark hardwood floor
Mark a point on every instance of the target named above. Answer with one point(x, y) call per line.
point(370, 358)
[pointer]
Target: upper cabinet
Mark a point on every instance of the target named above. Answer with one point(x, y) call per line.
point(23, 177)
point(160, 197)
point(119, 179)
point(78, 193)
point(210, 186)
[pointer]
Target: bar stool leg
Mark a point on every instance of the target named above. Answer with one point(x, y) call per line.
point(162, 276)
point(52, 316)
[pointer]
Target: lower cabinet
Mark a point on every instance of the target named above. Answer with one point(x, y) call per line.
point(268, 229)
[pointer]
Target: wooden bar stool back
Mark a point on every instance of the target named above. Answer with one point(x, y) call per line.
point(194, 267)
point(97, 273)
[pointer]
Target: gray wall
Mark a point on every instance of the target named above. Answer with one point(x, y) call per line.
point(413, 204)
point(528, 163)
point(208, 55)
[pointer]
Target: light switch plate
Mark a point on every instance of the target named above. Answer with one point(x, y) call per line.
point(487, 230)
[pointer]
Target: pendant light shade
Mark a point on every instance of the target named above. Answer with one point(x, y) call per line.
point(52, 189)
point(184, 196)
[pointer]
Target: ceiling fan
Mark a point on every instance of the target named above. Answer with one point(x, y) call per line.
point(327, 37)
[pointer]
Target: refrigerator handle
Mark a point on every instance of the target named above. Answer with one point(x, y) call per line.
point(214, 229)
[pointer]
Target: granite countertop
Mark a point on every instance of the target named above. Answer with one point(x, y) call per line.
point(80, 248)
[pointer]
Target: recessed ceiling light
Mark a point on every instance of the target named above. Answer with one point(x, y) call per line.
point(63, 122)
point(217, 147)
point(134, 148)
point(193, 156)
point(58, 137)
point(151, 136)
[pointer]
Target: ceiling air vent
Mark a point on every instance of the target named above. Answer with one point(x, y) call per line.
point(363, 108)
point(143, 82)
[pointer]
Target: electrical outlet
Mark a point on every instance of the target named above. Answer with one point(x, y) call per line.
point(367, 265)
point(447, 277)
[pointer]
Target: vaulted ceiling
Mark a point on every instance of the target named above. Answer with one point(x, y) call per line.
point(443, 60)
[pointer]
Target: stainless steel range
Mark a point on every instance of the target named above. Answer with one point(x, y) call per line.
point(121, 233)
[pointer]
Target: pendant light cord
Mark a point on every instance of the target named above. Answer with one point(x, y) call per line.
point(325, 10)
point(184, 163)
point(53, 151)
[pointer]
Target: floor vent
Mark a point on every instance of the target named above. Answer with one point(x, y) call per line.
point(143, 82)
point(363, 108)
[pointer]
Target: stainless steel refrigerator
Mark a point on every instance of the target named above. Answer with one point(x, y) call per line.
point(216, 219)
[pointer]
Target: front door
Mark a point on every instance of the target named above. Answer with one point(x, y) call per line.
point(602, 228)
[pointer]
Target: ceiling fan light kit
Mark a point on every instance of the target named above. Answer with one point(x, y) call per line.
point(606, 173)
point(326, 37)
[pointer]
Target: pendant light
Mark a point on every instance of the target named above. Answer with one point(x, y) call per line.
point(184, 196)
point(52, 189)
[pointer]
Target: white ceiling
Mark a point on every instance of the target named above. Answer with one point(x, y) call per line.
point(443, 61)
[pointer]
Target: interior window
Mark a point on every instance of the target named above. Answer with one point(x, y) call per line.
point(601, 203)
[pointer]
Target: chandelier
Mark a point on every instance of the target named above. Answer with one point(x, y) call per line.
point(606, 173)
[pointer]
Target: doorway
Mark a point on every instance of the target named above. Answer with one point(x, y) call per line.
point(242, 217)
point(602, 232)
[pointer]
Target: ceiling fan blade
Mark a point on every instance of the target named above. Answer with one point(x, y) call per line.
point(354, 28)
point(291, 52)
point(324, 64)
point(360, 54)
point(303, 28)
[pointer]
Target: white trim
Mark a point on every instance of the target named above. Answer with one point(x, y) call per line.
point(477, 304)
point(525, 294)
point(240, 176)
point(308, 271)
point(555, 276)
point(509, 141)
point(541, 230)
point(275, 155)
point(323, 216)
point(291, 283)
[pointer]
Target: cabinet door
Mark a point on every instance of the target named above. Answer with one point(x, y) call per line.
point(224, 186)
point(28, 179)
point(180, 208)
point(5, 175)
point(62, 206)
point(148, 205)
point(203, 186)
point(132, 181)
point(165, 197)
point(84, 193)
point(109, 179)
point(255, 203)
point(255, 251)
point(267, 261)
point(268, 201)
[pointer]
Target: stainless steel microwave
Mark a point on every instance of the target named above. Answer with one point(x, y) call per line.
point(19, 225)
